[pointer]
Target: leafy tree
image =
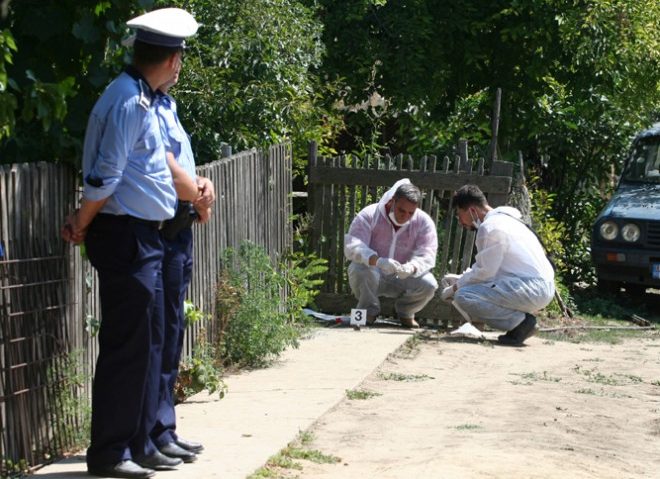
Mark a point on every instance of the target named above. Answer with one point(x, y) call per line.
point(62, 55)
point(249, 76)
point(7, 98)
point(578, 78)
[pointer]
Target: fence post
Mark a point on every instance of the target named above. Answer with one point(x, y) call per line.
point(225, 150)
point(464, 161)
point(495, 126)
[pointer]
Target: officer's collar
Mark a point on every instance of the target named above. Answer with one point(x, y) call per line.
point(139, 77)
point(166, 100)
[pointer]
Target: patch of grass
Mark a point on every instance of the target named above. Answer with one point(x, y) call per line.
point(615, 379)
point(521, 383)
point(404, 377)
point(409, 349)
point(606, 336)
point(305, 438)
point(360, 394)
point(467, 427)
point(312, 455)
point(283, 461)
point(533, 376)
point(587, 391)
point(631, 377)
point(655, 383)
point(264, 473)
point(592, 308)
point(595, 376)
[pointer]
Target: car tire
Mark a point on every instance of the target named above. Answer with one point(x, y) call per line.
point(608, 286)
point(635, 290)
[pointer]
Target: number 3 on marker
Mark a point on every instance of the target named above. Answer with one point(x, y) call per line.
point(358, 317)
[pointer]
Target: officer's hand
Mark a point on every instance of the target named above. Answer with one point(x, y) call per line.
point(71, 232)
point(203, 215)
point(447, 293)
point(388, 265)
point(449, 279)
point(206, 192)
point(405, 270)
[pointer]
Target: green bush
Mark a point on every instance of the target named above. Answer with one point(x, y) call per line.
point(202, 371)
point(199, 372)
point(258, 305)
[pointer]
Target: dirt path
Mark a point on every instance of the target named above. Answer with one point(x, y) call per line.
point(463, 409)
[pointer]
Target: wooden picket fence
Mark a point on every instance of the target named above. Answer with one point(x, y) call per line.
point(49, 300)
point(340, 187)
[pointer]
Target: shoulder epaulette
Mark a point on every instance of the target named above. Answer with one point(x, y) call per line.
point(145, 95)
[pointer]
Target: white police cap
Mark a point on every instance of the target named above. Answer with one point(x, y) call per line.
point(166, 27)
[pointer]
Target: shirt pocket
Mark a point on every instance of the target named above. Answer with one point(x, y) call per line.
point(149, 152)
point(176, 138)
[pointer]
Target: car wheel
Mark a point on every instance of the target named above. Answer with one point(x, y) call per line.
point(635, 289)
point(608, 286)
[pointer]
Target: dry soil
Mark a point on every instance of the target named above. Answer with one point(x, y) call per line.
point(457, 408)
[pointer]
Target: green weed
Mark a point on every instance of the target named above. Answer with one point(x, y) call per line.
point(259, 306)
point(587, 391)
point(311, 455)
point(285, 458)
point(533, 376)
point(467, 427)
point(9, 468)
point(192, 314)
point(404, 377)
point(409, 349)
point(70, 407)
point(615, 379)
point(360, 394)
point(200, 372)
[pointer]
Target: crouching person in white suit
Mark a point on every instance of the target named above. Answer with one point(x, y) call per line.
point(392, 247)
point(511, 277)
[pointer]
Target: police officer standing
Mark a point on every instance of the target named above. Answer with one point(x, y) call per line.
point(128, 192)
point(195, 196)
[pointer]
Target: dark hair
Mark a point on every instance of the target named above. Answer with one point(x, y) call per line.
point(409, 192)
point(469, 195)
point(145, 54)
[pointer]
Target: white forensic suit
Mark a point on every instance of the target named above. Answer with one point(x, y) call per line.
point(511, 274)
point(416, 242)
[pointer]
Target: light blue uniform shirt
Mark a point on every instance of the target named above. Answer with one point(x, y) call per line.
point(174, 136)
point(124, 154)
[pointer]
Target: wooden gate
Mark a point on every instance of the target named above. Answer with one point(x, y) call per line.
point(340, 187)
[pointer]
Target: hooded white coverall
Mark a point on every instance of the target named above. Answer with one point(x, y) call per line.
point(416, 242)
point(511, 274)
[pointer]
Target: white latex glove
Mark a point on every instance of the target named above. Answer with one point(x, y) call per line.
point(449, 279)
point(447, 293)
point(405, 270)
point(388, 265)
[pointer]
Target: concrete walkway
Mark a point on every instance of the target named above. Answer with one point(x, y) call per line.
point(266, 409)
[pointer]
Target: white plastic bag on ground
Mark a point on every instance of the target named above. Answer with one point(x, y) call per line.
point(469, 331)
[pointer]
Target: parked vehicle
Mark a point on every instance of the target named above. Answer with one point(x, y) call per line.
point(625, 242)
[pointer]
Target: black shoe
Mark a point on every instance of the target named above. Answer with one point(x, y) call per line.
point(518, 335)
point(189, 445)
point(172, 450)
point(122, 469)
point(158, 461)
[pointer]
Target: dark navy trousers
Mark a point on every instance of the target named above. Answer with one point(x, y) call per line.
point(127, 254)
point(177, 272)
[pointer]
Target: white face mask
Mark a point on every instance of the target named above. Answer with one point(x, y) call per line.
point(476, 222)
point(393, 219)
